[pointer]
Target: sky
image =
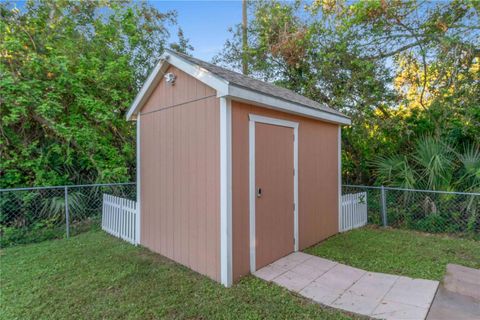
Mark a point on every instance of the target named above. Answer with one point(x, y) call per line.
point(204, 23)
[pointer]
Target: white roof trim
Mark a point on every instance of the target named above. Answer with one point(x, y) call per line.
point(147, 88)
point(205, 76)
point(224, 89)
point(167, 59)
point(242, 94)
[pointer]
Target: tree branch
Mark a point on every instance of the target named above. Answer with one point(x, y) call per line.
point(401, 49)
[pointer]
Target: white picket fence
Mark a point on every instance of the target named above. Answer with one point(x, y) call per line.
point(354, 211)
point(119, 217)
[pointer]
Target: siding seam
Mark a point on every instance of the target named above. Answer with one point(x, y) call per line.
point(177, 105)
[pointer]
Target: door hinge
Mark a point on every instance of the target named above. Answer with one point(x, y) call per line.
point(293, 171)
point(293, 206)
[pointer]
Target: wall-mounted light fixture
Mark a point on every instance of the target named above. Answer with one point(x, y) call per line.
point(170, 78)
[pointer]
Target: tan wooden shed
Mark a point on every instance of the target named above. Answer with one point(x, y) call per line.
point(232, 173)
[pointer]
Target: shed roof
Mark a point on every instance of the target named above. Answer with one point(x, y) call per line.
point(237, 86)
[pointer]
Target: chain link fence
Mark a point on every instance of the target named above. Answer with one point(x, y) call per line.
point(35, 214)
point(423, 210)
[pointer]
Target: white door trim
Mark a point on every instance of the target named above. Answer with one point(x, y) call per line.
point(278, 122)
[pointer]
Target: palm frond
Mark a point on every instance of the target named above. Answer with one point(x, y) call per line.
point(55, 206)
point(434, 159)
point(470, 159)
point(394, 171)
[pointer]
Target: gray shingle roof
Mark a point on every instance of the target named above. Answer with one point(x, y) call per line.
point(257, 85)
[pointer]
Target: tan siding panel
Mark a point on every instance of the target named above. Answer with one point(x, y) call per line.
point(240, 187)
point(318, 181)
point(180, 174)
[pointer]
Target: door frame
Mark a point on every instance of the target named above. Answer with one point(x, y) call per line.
point(278, 122)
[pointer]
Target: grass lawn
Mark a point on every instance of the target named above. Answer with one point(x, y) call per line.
point(95, 276)
point(401, 252)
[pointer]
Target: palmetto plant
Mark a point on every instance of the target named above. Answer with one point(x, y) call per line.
point(470, 172)
point(433, 165)
point(54, 207)
point(395, 171)
point(470, 177)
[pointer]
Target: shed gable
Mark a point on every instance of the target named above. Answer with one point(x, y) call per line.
point(185, 89)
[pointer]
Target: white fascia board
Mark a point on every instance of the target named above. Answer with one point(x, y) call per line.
point(242, 94)
point(205, 76)
point(167, 59)
point(147, 88)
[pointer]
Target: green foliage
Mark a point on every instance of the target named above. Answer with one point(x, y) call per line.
point(46, 229)
point(68, 72)
point(55, 206)
point(28, 216)
point(395, 171)
point(95, 276)
point(470, 173)
point(433, 164)
point(435, 160)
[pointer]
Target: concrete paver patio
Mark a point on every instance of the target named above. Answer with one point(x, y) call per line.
point(377, 295)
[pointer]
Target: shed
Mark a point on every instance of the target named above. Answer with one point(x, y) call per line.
point(232, 173)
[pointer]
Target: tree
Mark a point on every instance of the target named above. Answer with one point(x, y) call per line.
point(68, 72)
point(399, 69)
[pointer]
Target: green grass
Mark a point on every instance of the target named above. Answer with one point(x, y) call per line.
point(400, 252)
point(95, 276)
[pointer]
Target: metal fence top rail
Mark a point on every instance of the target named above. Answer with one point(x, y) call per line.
point(133, 183)
point(69, 186)
point(413, 190)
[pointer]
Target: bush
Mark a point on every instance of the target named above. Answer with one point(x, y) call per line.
point(37, 232)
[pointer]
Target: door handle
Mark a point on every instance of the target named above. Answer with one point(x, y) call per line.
point(259, 192)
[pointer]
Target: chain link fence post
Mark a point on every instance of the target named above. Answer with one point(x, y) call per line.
point(67, 215)
point(384, 205)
